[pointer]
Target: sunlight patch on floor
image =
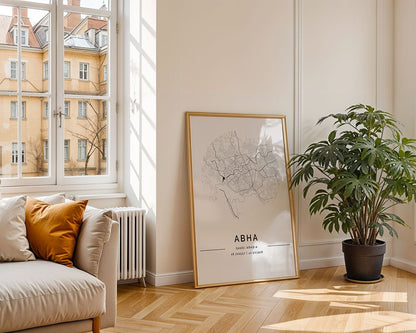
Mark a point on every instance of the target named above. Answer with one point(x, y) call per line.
point(336, 294)
point(383, 321)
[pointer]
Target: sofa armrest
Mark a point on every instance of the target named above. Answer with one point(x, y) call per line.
point(107, 272)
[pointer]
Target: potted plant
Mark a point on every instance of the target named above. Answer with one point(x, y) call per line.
point(363, 169)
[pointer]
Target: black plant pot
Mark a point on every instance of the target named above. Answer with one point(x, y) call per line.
point(363, 262)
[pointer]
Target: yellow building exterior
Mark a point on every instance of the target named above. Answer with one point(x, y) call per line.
point(84, 118)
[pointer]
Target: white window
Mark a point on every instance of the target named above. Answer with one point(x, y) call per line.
point(105, 73)
point(58, 49)
point(104, 109)
point(13, 70)
point(66, 109)
point(45, 109)
point(66, 150)
point(45, 150)
point(104, 149)
point(15, 153)
point(23, 36)
point(103, 38)
point(46, 70)
point(13, 110)
point(82, 109)
point(82, 150)
point(83, 71)
point(67, 70)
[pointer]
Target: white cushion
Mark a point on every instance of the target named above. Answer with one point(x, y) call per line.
point(38, 293)
point(14, 245)
point(53, 199)
point(95, 231)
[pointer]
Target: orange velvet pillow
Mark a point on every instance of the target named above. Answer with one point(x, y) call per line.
point(52, 230)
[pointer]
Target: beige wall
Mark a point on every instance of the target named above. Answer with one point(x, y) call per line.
point(405, 107)
point(218, 56)
point(301, 58)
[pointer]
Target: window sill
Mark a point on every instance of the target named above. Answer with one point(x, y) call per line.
point(84, 189)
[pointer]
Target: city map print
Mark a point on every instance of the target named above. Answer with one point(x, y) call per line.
point(239, 169)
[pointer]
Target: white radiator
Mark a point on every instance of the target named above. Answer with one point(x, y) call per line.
point(132, 254)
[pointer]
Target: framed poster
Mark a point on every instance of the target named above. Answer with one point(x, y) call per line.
point(242, 212)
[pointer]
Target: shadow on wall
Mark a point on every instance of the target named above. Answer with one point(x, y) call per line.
point(140, 122)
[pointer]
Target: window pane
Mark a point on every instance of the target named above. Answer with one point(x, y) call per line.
point(35, 132)
point(8, 135)
point(66, 150)
point(86, 133)
point(35, 55)
point(67, 69)
point(97, 4)
point(89, 70)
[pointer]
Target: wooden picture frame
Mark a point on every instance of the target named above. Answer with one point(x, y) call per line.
point(242, 212)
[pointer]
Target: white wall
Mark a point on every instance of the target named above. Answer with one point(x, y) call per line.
point(404, 254)
point(300, 58)
point(345, 48)
point(218, 56)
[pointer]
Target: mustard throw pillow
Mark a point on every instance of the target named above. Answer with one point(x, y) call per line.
point(52, 230)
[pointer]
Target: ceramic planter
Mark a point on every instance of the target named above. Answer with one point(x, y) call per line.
point(363, 262)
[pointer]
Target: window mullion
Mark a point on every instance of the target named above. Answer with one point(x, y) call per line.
point(59, 93)
point(19, 94)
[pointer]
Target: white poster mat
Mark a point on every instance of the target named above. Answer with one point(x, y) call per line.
point(243, 223)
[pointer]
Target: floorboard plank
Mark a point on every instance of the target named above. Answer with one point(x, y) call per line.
point(319, 301)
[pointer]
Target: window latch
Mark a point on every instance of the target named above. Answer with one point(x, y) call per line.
point(59, 114)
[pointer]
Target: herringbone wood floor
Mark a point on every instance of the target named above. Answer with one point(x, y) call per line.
point(319, 301)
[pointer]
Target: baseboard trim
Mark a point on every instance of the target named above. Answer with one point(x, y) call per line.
point(403, 264)
point(165, 279)
point(330, 261)
point(321, 262)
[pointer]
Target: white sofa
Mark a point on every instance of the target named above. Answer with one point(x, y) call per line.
point(44, 296)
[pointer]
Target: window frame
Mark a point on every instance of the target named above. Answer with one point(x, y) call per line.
point(13, 72)
point(46, 150)
point(13, 115)
point(56, 177)
point(46, 108)
point(46, 70)
point(23, 31)
point(82, 144)
point(67, 109)
point(15, 153)
point(84, 72)
point(67, 150)
point(68, 76)
point(82, 109)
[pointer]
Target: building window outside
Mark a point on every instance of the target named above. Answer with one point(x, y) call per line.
point(13, 70)
point(24, 40)
point(82, 109)
point(15, 153)
point(66, 109)
point(82, 150)
point(67, 70)
point(45, 109)
point(66, 150)
point(105, 149)
point(103, 38)
point(45, 150)
point(83, 71)
point(13, 110)
point(46, 70)
point(104, 109)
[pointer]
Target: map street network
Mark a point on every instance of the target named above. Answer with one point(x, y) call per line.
point(238, 169)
